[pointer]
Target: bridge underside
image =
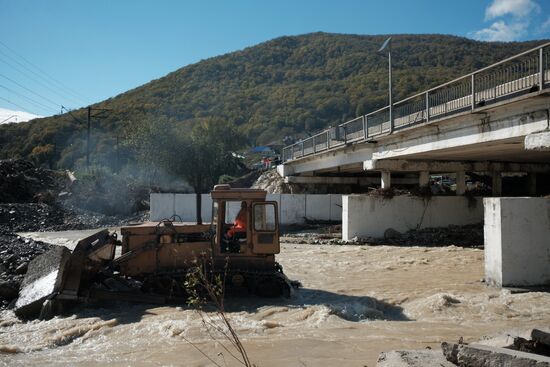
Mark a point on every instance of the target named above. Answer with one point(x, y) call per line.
point(494, 141)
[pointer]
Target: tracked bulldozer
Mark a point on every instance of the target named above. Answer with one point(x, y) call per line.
point(150, 261)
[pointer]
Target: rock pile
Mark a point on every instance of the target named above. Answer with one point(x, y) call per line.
point(23, 182)
point(461, 236)
point(15, 254)
point(19, 217)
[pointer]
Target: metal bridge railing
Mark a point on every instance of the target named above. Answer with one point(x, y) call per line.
point(524, 73)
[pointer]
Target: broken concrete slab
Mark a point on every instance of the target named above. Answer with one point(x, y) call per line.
point(477, 355)
point(539, 141)
point(413, 358)
point(540, 336)
point(44, 278)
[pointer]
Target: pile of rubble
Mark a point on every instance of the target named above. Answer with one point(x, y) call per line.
point(461, 236)
point(15, 254)
point(37, 199)
point(23, 182)
point(273, 183)
point(26, 217)
point(534, 351)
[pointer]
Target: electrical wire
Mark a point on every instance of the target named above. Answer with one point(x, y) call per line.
point(29, 90)
point(60, 84)
point(36, 103)
point(17, 105)
point(37, 81)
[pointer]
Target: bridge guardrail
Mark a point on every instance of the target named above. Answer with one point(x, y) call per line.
point(524, 73)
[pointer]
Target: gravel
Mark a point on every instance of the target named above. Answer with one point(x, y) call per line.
point(15, 254)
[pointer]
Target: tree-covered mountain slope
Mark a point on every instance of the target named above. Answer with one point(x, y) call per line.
point(283, 87)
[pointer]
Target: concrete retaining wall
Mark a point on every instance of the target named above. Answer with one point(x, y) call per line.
point(367, 216)
point(293, 208)
point(517, 241)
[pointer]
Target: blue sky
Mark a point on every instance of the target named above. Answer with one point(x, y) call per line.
point(81, 52)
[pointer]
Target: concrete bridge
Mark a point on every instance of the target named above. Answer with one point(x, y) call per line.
point(494, 120)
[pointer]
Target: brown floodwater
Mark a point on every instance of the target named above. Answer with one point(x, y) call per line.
point(357, 301)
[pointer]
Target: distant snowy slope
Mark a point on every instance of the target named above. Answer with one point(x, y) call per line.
point(7, 116)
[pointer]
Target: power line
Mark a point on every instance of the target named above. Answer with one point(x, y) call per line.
point(17, 105)
point(34, 72)
point(9, 118)
point(35, 80)
point(39, 104)
point(67, 88)
point(70, 113)
point(37, 94)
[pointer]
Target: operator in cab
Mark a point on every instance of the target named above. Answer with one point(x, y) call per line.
point(238, 230)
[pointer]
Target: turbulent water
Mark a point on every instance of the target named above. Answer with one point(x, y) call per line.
point(357, 301)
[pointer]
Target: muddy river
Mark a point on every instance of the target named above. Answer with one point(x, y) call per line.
point(357, 301)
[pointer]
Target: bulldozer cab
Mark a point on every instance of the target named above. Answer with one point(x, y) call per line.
point(243, 222)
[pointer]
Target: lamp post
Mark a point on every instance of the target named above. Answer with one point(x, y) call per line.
point(387, 45)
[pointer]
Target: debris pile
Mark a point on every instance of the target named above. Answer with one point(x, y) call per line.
point(38, 199)
point(23, 182)
point(25, 217)
point(533, 352)
point(15, 254)
point(273, 183)
point(461, 236)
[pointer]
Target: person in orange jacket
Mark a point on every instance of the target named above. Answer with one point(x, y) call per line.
point(240, 223)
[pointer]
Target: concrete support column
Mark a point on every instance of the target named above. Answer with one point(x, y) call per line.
point(532, 184)
point(385, 180)
point(424, 179)
point(460, 183)
point(497, 183)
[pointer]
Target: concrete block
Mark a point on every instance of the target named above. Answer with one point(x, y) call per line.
point(335, 207)
point(293, 208)
point(162, 206)
point(539, 141)
point(318, 207)
point(369, 216)
point(517, 245)
point(185, 206)
point(277, 198)
point(206, 208)
point(44, 278)
point(413, 358)
point(540, 336)
point(477, 355)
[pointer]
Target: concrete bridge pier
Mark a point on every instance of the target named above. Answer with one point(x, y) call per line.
point(496, 183)
point(460, 183)
point(424, 179)
point(385, 179)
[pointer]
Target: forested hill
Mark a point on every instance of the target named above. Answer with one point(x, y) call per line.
point(279, 88)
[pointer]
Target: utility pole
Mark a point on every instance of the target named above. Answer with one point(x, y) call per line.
point(387, 44)
point(88, 138)
point(390, 83)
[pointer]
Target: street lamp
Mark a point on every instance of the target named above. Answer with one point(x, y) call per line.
point(387, 45)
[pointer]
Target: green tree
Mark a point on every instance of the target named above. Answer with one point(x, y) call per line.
point(200, 156)
point(207, 154)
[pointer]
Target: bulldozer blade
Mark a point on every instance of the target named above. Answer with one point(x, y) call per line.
point(60, 272)
point(93, 250)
